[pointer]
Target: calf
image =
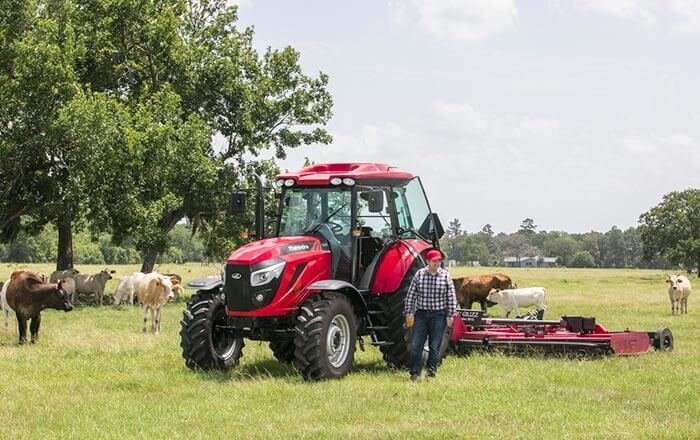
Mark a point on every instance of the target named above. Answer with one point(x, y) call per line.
point(28, 295)
point(511, 299)
point(678, 291)
point(92, 284)
point(154, 291)
point(477, 288)
point(128, 285)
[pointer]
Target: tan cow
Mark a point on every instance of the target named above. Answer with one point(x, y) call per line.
point(477, 288)
point(154, 291)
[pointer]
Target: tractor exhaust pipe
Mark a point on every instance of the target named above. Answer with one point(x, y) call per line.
point(237, 205)
point(259, 209)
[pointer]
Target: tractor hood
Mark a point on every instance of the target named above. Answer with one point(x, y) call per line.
point(262, 250)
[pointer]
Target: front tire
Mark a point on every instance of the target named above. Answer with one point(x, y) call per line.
point(326, 335)
point(205, 345)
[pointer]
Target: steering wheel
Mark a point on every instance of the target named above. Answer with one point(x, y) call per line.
point(334, 227)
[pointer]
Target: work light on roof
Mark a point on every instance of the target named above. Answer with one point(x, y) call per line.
point(348, 181)
point(336, 181)
point(289, 182)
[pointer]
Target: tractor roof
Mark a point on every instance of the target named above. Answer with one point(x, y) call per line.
point(368, 173)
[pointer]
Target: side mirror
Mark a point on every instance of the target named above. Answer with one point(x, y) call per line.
point(237, 204)
point(432, 227)
point(375, 200)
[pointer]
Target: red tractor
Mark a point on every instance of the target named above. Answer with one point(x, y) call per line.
point(348, 240)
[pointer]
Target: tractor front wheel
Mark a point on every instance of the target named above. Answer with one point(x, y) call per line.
point(206, 343)
point(326, 335)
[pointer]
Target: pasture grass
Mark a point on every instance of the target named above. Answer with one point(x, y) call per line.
point(94, 374)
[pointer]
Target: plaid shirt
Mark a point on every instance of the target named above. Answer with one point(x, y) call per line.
point(431, 292)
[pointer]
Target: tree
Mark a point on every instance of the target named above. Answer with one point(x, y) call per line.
point(454, 229)
point(672, 229)
point(613, 249)
point(487, 229)
point(582, 259)
point(563, 246)
point(37, 78)
point(140, 89)
point(528, 227)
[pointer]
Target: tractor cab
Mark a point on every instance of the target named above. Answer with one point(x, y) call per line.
point(355, 210)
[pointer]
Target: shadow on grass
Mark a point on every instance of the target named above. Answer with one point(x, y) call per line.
point(272, 369)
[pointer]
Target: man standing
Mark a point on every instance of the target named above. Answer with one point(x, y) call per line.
point(430, 306)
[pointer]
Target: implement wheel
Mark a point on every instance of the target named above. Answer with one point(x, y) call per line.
point(663, 339)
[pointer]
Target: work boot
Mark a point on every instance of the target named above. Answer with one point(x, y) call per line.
point(414, 377)
point(430, 374)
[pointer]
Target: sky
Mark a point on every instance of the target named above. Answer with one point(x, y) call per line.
point(579, 114)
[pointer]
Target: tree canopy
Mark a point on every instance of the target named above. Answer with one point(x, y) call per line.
point(672, 228)
point(110, 108)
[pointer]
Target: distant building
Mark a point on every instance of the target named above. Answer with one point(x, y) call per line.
point(530, 261)
point(451, 263)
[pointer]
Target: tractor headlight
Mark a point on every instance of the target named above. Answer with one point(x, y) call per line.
point(336, 181)
point(348, 181)
point(264, 276)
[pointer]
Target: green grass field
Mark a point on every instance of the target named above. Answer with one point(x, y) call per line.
point(94, 374)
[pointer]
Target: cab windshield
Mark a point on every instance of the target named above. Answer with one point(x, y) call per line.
point(304, 210)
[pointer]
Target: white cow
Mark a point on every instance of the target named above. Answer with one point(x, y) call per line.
point(6, 309)
point(678, 291)
point(92, 284)
point(512, 299)
point(128, 286)
point(154, 291)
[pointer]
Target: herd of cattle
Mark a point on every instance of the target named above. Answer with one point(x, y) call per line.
point(27, 293)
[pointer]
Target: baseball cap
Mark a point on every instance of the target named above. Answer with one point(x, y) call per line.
point(433, 255)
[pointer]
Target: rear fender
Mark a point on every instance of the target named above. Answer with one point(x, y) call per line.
point(345, 288)
point(396, 261)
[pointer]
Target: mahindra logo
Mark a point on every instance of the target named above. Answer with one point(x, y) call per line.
point(236, 276)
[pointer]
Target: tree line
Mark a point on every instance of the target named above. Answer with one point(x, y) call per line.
point(668, 237)
point(42, 247)
point(109, 113)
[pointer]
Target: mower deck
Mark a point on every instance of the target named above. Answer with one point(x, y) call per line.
point(572, 334)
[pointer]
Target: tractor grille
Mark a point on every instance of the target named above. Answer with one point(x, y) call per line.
point(240, 296)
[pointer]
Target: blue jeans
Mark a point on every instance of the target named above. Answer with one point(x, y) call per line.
point(430, 325)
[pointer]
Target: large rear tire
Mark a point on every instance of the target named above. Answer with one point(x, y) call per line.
point(397, 354)
point(326, 336)
point(205, 345)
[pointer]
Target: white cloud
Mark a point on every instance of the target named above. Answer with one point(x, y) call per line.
point(637, 11)
point(457, 20)
point(464, 120)
point(683, 16)
point(689, 12)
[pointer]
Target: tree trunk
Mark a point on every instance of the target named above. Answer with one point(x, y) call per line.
point(64, 259)
point(149, 262)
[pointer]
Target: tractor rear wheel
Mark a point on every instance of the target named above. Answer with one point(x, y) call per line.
point(398, 353)
point(283, 350)
point(205, 345)
point(326, 336)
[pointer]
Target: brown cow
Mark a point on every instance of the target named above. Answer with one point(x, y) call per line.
point(477, 288)
point(28, 295)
